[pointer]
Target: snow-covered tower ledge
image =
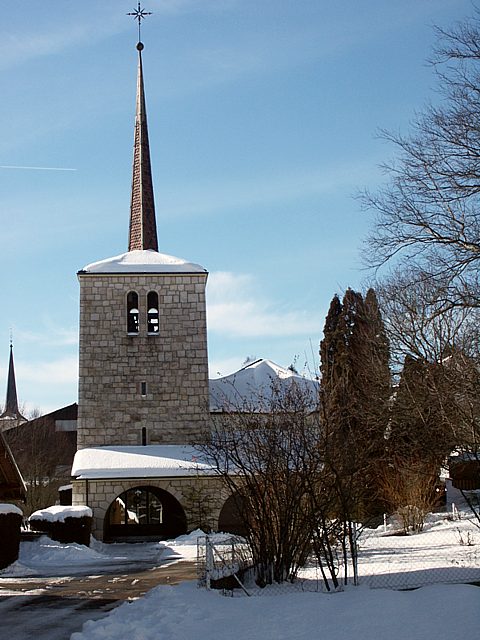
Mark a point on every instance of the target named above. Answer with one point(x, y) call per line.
point(143, 372)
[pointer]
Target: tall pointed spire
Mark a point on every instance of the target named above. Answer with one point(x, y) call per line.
point(11, 402)
point(143, 227)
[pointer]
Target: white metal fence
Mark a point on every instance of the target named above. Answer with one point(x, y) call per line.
point(220, 557)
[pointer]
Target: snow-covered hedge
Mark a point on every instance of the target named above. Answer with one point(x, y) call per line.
point(10, 508)
point(60, 512)
point(10, 522)
point(64, 523)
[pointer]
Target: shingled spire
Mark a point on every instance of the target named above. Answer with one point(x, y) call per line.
point(11, 402)
point(143, 227)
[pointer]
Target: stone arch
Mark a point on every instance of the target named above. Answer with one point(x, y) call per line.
point(230, 520)
point(144, 512)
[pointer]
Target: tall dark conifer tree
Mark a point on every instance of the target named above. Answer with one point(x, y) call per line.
point(355, 392)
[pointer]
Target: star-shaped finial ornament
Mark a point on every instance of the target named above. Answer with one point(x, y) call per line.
point(139, 14)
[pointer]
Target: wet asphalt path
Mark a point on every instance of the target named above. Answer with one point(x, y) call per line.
point(53, 608)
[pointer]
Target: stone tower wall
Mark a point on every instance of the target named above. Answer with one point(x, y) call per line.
point(113, 364)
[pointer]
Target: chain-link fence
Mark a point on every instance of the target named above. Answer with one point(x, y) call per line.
point(446, 550)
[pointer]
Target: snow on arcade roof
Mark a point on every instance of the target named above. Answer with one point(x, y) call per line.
point(138, 462)
point(256, 386)
point(143, 261)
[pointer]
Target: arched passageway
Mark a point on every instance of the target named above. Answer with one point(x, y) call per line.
point(230, 519)
point(144, 513)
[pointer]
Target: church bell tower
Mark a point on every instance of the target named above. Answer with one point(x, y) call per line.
point(143, 367)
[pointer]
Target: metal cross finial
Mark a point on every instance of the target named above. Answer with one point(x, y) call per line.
point(139, 14)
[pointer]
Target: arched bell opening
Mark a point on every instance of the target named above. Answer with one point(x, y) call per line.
point(152, 313)
point(133, 313)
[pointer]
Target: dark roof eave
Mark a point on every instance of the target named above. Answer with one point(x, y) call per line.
point(146, 478)
point(82, 272)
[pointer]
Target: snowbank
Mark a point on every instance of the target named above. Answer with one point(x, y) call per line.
point(185, 547)
point(188, 613)
point(45, 557)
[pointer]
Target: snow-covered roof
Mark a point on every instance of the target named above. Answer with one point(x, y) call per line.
point(143, 261)
point(138, 462)
point(58, 513)
point(256, 386)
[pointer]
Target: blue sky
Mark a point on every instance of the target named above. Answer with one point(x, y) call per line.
point(263, 118)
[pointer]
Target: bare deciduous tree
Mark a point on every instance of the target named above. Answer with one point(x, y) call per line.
point(428, 214)
point(303, 478)
point(417, 323)
point(36, 448)
point(435, 412)
point(410, 491)
point(267, 461)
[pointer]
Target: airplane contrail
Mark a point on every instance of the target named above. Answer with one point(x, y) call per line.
point(37, 168)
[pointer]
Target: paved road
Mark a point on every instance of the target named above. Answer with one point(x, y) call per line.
point(53, 608)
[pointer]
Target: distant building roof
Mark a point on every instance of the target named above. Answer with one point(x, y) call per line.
point(12, 486)
point(257, 385)
point(54, 435)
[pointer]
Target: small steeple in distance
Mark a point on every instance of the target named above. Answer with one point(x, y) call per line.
point(143, 227)
point(11, 403)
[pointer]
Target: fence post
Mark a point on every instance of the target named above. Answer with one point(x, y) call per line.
point(454, 512)
point(208, 561)
point(355, 555)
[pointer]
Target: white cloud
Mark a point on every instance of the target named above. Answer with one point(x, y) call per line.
point(58, 372)
point(50, 41)
point(49, 335)
point(78, 26)
point(234, 308)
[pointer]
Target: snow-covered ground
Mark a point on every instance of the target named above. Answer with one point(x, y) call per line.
point(436, 612)
point(185, 612)
point(447, 550)
point(45, 557)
